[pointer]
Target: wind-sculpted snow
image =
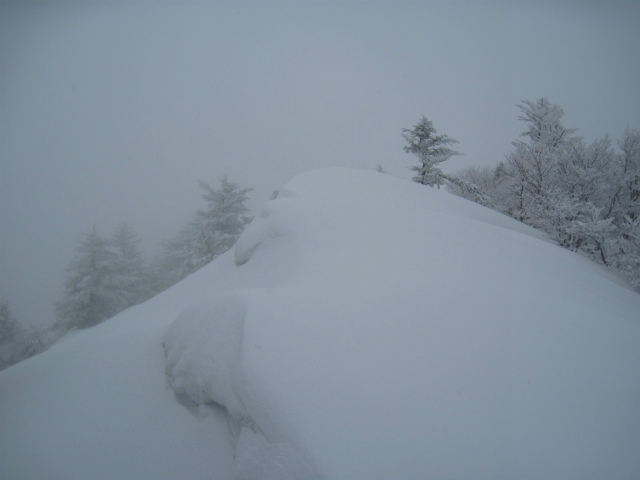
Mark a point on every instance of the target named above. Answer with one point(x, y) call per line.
point(204, 351)
point(266, 228)
point(364, 327)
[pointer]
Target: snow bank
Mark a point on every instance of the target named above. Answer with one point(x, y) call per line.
point(203, 348)
point(363, 327)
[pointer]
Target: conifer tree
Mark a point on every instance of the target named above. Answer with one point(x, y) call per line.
point(130, 276)
point(431, 150)
point(11, 337)
point(90, 294)
point(223, 220)
point(211, 232)
point(9, 327)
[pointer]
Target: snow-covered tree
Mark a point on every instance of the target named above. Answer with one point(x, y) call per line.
point(479, 184)
point(627, 258)
point(532, 168)
point(597, 234)
point(90, 294)
point(11, 334)
point(9, 326)
point(211, 232)
point(431, 150)
point(544, 125)
point(105, 277)
point(35, 341)
point(130, 275)
point(624, 198)
point(223, 220)
point(179, 259)
point(586, 197)
point(582, 172)
point(16, 342)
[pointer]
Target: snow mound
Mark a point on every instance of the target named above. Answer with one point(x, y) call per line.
point(203, 362)
point(263, 228)
point(203, 350)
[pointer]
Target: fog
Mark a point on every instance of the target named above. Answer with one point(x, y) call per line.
point(113, 111)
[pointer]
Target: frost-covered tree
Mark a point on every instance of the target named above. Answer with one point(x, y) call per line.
point(622, 203)
point(532, 168)
point(624, 197)
point(35, 341)
point(130, 275)
point(431, 150)
point(475, 183)
point(211, 232)
point(16, 342)
point(597, 234)
point(105, 277)
point(627, 258)
point(544, 123)
point(9, 327)
point(90, 294)
point(582, 172)
point(11, 337)
point(223, 220)
point(586, 197)
point(178, 259)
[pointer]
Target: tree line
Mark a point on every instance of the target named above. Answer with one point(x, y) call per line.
point(109, 274)
point(16, 342)
point(584, 196)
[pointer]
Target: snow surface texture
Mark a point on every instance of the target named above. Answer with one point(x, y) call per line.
point(362, 327)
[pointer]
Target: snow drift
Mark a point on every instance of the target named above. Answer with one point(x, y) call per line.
point(362, 327)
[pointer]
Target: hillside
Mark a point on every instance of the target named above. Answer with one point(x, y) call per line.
point(362, 327)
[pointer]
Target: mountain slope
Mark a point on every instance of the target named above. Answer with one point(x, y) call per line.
point(362, 327)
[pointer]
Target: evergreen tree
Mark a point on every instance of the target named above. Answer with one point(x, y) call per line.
point(35, 341)
point(11, 337)
point(223, 220)
point(431, 150)
point(90, 293)
point(9, 327)
point(179, 258)
point(16, 342)
point(211, 232)
point(130, 277)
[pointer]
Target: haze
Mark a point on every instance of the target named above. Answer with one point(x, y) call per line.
point(113, 111)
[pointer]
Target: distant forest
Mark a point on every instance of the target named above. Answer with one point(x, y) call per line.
point(585, 197)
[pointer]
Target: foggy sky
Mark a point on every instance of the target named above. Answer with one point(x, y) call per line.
point(113, 111)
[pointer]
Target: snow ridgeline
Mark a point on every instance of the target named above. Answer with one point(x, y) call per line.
point(393, 327)
point(363, 327)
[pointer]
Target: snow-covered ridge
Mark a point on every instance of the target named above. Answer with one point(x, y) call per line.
point(362, 327)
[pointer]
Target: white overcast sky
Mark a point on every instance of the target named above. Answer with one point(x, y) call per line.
point(112, 111)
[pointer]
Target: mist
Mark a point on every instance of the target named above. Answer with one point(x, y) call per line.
point(111, 112)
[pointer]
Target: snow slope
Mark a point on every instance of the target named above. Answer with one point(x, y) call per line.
point(362, 327)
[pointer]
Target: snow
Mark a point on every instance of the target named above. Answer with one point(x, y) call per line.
point(362, 327)
point(204, 348)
